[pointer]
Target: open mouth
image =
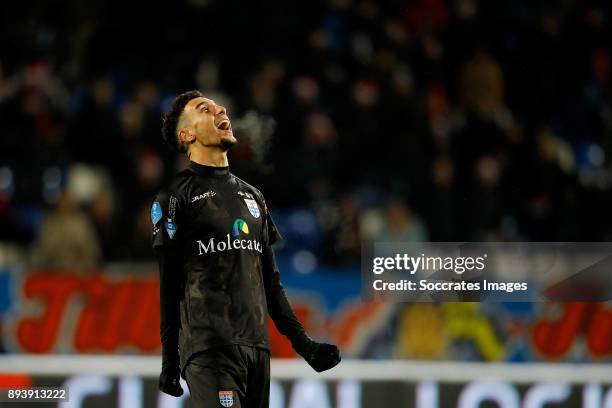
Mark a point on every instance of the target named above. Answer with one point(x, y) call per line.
point(224, 124)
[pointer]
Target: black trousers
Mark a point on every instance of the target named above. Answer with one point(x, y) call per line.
point(229, 376)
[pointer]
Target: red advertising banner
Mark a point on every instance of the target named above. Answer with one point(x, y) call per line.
point(118, 312)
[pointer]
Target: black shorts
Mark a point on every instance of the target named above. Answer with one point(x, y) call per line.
point(229, 376)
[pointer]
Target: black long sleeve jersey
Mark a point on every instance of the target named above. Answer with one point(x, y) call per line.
point(212, 234)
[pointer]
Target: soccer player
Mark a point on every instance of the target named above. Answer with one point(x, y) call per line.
point(213, 234)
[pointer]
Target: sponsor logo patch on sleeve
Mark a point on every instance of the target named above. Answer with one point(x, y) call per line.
point(156, 213)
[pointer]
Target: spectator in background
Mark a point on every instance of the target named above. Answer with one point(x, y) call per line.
point(67, 238)
point(442, 199)
point(96, 119)
point(487, 119)
point(401, 224)
point(314, 163)
point(483, 86)
point(490, 206)
point(341, 241)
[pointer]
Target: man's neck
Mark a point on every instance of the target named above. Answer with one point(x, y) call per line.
point(209, 157)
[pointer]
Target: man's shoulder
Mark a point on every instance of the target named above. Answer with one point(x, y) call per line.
point(248, 188)
point(177, 183)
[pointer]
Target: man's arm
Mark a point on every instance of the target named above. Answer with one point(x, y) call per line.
point(169, 298)
point(278, 306)
point(165, 240)
point(170, 293)
point(320, 356)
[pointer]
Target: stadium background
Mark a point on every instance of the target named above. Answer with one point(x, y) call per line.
point(419, 120)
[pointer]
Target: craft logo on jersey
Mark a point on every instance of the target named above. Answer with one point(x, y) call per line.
point(253, 207)
point(156, 213)
point(239, 225)
point(226, 398)
point(207, 194)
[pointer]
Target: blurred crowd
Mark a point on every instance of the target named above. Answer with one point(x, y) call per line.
point(444, 120)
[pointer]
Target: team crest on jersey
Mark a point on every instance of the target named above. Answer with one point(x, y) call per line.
point(226, 398)
point(253, 207)
point(170, 228)
point(156, 213)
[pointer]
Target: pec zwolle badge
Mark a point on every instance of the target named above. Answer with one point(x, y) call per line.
point(252, 206)
point(226, 398)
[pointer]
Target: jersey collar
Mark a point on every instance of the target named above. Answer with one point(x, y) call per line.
point(209, 171)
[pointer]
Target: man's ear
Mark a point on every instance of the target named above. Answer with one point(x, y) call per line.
point(186, 137)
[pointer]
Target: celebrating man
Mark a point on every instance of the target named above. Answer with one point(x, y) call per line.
point(213, 236)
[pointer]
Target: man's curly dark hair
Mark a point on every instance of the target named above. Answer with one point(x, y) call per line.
point(171, 118)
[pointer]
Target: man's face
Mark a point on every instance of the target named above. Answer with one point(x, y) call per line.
point(208, 123)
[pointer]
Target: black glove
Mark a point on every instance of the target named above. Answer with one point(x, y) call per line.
point(321, 356)
point(169, 381)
